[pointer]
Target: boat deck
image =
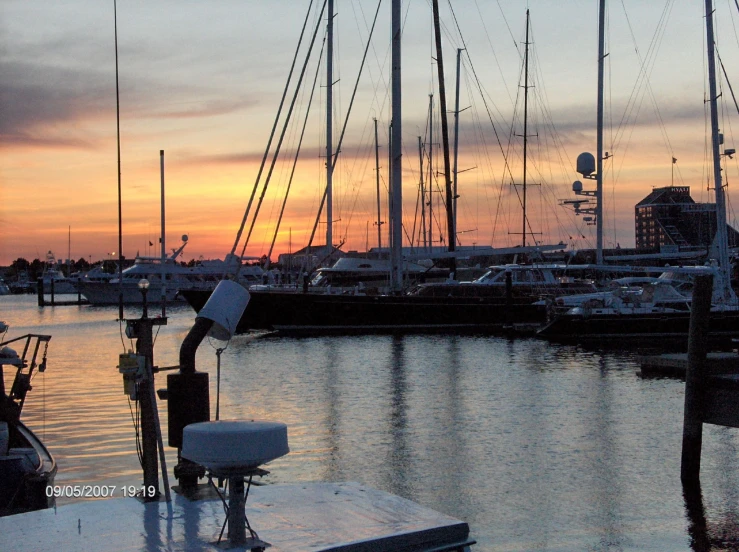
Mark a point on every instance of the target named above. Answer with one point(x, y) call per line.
point(345, 517)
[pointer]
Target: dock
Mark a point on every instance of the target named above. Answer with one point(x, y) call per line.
point(346, 517)
point(676, 364)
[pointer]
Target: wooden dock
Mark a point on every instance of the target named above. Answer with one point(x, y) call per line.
point(676, 364)
point(314, 517)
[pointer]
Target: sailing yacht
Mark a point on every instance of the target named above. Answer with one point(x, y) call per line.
point(355, 310)
point(205, 275)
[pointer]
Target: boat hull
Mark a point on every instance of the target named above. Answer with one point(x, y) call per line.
point(23, 486)
point(609, 329)
point(310, 313)
point(105, 293)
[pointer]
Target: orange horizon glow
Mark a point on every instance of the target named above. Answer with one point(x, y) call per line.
point(210, 105)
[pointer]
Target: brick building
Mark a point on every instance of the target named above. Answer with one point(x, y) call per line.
point(669, 217)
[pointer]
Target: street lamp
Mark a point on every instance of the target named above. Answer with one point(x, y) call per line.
point(144, 287)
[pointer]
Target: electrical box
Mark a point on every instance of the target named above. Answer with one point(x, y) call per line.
point(133, 368)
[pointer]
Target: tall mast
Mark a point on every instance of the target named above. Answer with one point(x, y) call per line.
point(118, 141)
point(164, 247)
point(397, 167)
point(456, 139)
point(423, 193)
point(329, 125)
point(525, 125)
point(377, 175)
point(722, 241)
point(599, 145)
point(431, 172)
point(452, 238)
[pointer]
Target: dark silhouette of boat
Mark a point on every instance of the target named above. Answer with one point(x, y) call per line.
point(26, 466)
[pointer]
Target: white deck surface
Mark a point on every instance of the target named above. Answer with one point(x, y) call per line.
point(293, 518)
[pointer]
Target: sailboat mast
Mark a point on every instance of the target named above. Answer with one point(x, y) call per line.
point(423, 193)
point(164, 247)
point(118, 142)
point(599, 144)
point(722, 242)
point(452, 239)
point(456, 138)
point(431, 172)
point(377, 176)
point(397, 167)
point(329, 125)
point(525, 125)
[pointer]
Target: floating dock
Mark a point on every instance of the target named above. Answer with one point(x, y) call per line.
point(345, 517)
point(676, 364)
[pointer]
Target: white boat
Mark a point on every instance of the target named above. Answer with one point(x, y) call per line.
point(204, 275)
point(53, 279)
point(533, 281)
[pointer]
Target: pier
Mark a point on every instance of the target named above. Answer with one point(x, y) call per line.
point(309, 517)
point(42, 302)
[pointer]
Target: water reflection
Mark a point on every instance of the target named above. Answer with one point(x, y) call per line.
point(714, 526)
point(696, 514)
point(537, 446)
point(331, 391)
point(605, 463)
point(398, 464)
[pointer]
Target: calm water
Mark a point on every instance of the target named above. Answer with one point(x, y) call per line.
point(536, 446)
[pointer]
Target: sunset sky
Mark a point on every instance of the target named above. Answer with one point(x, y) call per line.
point(203, 80)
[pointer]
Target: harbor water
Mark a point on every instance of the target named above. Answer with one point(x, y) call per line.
point(537, 446)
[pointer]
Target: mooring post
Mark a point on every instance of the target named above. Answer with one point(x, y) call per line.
point(695, 379)
point(508, 296)
point(145, 347)
point(40, 291)
point(79, 291)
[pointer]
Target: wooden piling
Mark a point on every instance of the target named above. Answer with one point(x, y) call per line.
point(508, 297)
point(695, 379)
point(40, 291)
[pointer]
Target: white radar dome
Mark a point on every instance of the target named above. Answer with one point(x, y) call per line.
point(586, 164)
point(234, 445)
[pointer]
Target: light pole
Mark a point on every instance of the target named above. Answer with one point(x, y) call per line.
point(144, 287)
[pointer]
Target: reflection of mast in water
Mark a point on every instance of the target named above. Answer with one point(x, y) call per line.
point(398, 461)
point(607, 488)
point(333, 414)
point(452, 447)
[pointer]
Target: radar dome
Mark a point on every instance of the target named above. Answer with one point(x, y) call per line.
point(586, 164)
point(577, 186)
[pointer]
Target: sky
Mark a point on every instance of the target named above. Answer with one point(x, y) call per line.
point(202, 81)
